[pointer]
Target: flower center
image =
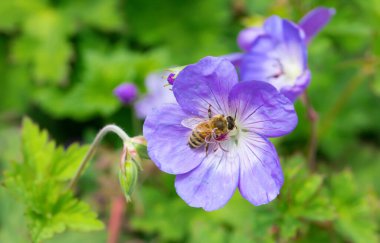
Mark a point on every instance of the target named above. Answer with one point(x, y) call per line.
point(292, 71)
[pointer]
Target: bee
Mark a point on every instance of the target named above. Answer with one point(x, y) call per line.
point(211, 130)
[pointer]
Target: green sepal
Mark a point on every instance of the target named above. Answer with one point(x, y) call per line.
point(128, 178)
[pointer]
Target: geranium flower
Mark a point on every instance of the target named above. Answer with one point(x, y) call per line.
point(278, 57)
point(158, 93)
point(277, 52)
point(311, 24)
point(241, 157)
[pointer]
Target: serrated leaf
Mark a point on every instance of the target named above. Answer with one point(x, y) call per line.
point(40, 183)
point(355, 221)
point(302, 198)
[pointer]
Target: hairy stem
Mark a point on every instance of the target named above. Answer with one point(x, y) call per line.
point(313, 142)
point(109, 128)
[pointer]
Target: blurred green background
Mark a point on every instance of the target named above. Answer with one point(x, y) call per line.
point(61, 59)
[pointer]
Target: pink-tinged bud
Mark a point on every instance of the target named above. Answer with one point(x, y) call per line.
point(126, 92)
point(173, 73)
point(171, 78)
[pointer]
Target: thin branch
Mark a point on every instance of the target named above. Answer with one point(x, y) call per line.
point(109, 128)
point(313, 117)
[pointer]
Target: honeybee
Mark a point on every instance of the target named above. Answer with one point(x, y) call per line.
point(211, 130)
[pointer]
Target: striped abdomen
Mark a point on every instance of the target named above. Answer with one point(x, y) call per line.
point(197, 139)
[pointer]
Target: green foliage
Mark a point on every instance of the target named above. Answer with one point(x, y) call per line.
point(302, 199)
point(355, 220)
point(61, 60)
point(40, 183)
point(187, 35)
point(308, 204)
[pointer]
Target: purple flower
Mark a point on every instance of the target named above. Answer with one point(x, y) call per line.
point(126, 92)
point(277, 54)
point(311, 24)
point(278, 57)
point(247, 36)
point(158, 93)
point(239, 154)
point(314, 21)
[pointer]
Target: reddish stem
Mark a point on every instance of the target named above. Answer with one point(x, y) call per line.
point(313, 117)
point(116, 219)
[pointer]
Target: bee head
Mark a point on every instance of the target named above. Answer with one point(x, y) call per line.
point(230, 123)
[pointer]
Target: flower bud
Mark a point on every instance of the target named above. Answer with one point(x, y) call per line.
point(140, 146)
point(128, 178)
point(126, 92)
point(173, 72)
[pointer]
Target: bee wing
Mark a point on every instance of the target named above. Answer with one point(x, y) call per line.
point(192, 122)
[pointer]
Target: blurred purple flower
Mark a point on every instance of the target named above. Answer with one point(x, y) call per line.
point(314, 21)
point(311, 24)
point(242, 157)
point(126, 92)
point(158, 93)
point(277, 53)
point(278, 57)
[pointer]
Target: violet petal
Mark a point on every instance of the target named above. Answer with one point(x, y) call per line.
point(207, 82)
point(211, 184)
point(261, 175)
point(314, 21)
point(262, 109)
point(168, 140)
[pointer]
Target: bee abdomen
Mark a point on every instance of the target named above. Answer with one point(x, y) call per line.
point(196, 140)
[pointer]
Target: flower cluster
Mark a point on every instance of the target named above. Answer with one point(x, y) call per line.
point(212, 131)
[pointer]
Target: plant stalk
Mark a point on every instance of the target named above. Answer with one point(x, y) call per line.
point(313, 117)
point(109, 128)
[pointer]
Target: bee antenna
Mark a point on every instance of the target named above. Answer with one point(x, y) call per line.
point(235, 114)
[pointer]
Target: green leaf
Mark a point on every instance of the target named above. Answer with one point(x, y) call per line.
point(12, 221)
point(40, 183)
point(103, 71)
point(165, 216)
point(204, 230)
point(302, 198)
point(355, 220)
point(44, 44)
point(15, 12)
point(100, 14)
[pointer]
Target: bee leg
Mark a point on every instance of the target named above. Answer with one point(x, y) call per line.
point(207, 144)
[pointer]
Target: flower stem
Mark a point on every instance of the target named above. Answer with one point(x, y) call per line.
point(109, 128)
point(313, 142)
point(116, 219)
